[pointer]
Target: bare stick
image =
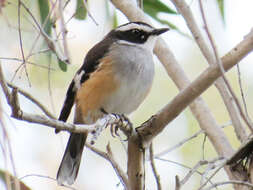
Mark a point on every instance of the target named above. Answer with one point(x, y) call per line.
point(157, 176)
point(241, 90)
point(29, 62)
point(109, 157)
point(34, 100)
point(21, 43)
point(230, 182)
point(181, 143)
point(177, 186)
point(63, 31)
point(203, 147)
point(217, 170)
point(192, 171)
point(120, 173)
point(88, 11)
point(46, 177)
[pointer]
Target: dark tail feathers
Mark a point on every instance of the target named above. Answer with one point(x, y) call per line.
point(70, 163)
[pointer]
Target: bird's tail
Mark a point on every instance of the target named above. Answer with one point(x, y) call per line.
point(70, 163)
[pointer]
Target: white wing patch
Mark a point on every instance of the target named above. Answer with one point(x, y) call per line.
point(77, 79)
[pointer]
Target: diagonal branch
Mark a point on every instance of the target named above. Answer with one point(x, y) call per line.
point(109, 157)
point(185, 11)
point(34, 100)
point(152, 162)
point(158, 122)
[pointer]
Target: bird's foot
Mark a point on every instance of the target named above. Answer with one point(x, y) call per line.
point(123, 123)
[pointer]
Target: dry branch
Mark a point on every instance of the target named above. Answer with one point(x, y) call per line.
point(185, 11)
point(158, 122)
point(109, 157)
point(155, 172)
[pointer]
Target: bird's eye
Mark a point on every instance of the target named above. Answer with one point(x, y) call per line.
point(135, 31)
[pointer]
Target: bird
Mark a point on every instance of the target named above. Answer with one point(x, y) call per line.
point(115, 78)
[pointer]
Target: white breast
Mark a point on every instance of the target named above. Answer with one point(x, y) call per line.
point(135, 73)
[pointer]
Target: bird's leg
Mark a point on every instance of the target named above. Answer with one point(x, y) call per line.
point(123, 123)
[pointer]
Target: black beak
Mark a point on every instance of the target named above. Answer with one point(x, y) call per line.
point(159, 31)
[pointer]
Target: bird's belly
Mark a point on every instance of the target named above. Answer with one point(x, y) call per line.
point(131, 92)
point(126, 99)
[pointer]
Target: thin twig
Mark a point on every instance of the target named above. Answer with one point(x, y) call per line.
point(50, 43)
point(140, 4)
point(196, 167)
point(34, 100)
point(152, 162)
point(230, 182)
point(109, 157)
point(47, 177)
point(216, 171)
point(203, 147)
point(89, 14)
point(177, 186)
point(187, 139)
point(179, 164)
point(43, 25)
point(64, 31)
point(241, 90)
point(181, 143)
point(28, 62)
point(120, 173)
point(21, 43)
point(192, 171)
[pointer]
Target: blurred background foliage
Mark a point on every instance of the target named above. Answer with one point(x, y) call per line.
point(37, 150)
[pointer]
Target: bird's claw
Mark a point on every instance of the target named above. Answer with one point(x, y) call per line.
point(123, 123)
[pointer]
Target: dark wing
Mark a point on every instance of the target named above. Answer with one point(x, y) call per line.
point(90, 64)
point(68, 103)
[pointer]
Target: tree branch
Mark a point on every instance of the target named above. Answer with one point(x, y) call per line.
point(152, 161)
point(158, 122)
point(34, 100)
point(135, 163)
point(185, 11)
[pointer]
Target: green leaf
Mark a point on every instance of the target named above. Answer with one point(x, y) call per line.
point(81, 11)
point(11, 183)
point(221, 7)
point(62, 65)
point(156, 6)
point(115, 20)
point(44, 11)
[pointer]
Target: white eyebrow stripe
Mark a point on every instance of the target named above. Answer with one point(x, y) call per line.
point(134, 26)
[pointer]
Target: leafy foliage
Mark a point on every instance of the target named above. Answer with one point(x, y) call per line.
point(81, 11)
point(221, 7)
point(154, 7)
point(44, 16)
point(62, 65)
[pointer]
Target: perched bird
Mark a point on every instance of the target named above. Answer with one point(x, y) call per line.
point(115, 77)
